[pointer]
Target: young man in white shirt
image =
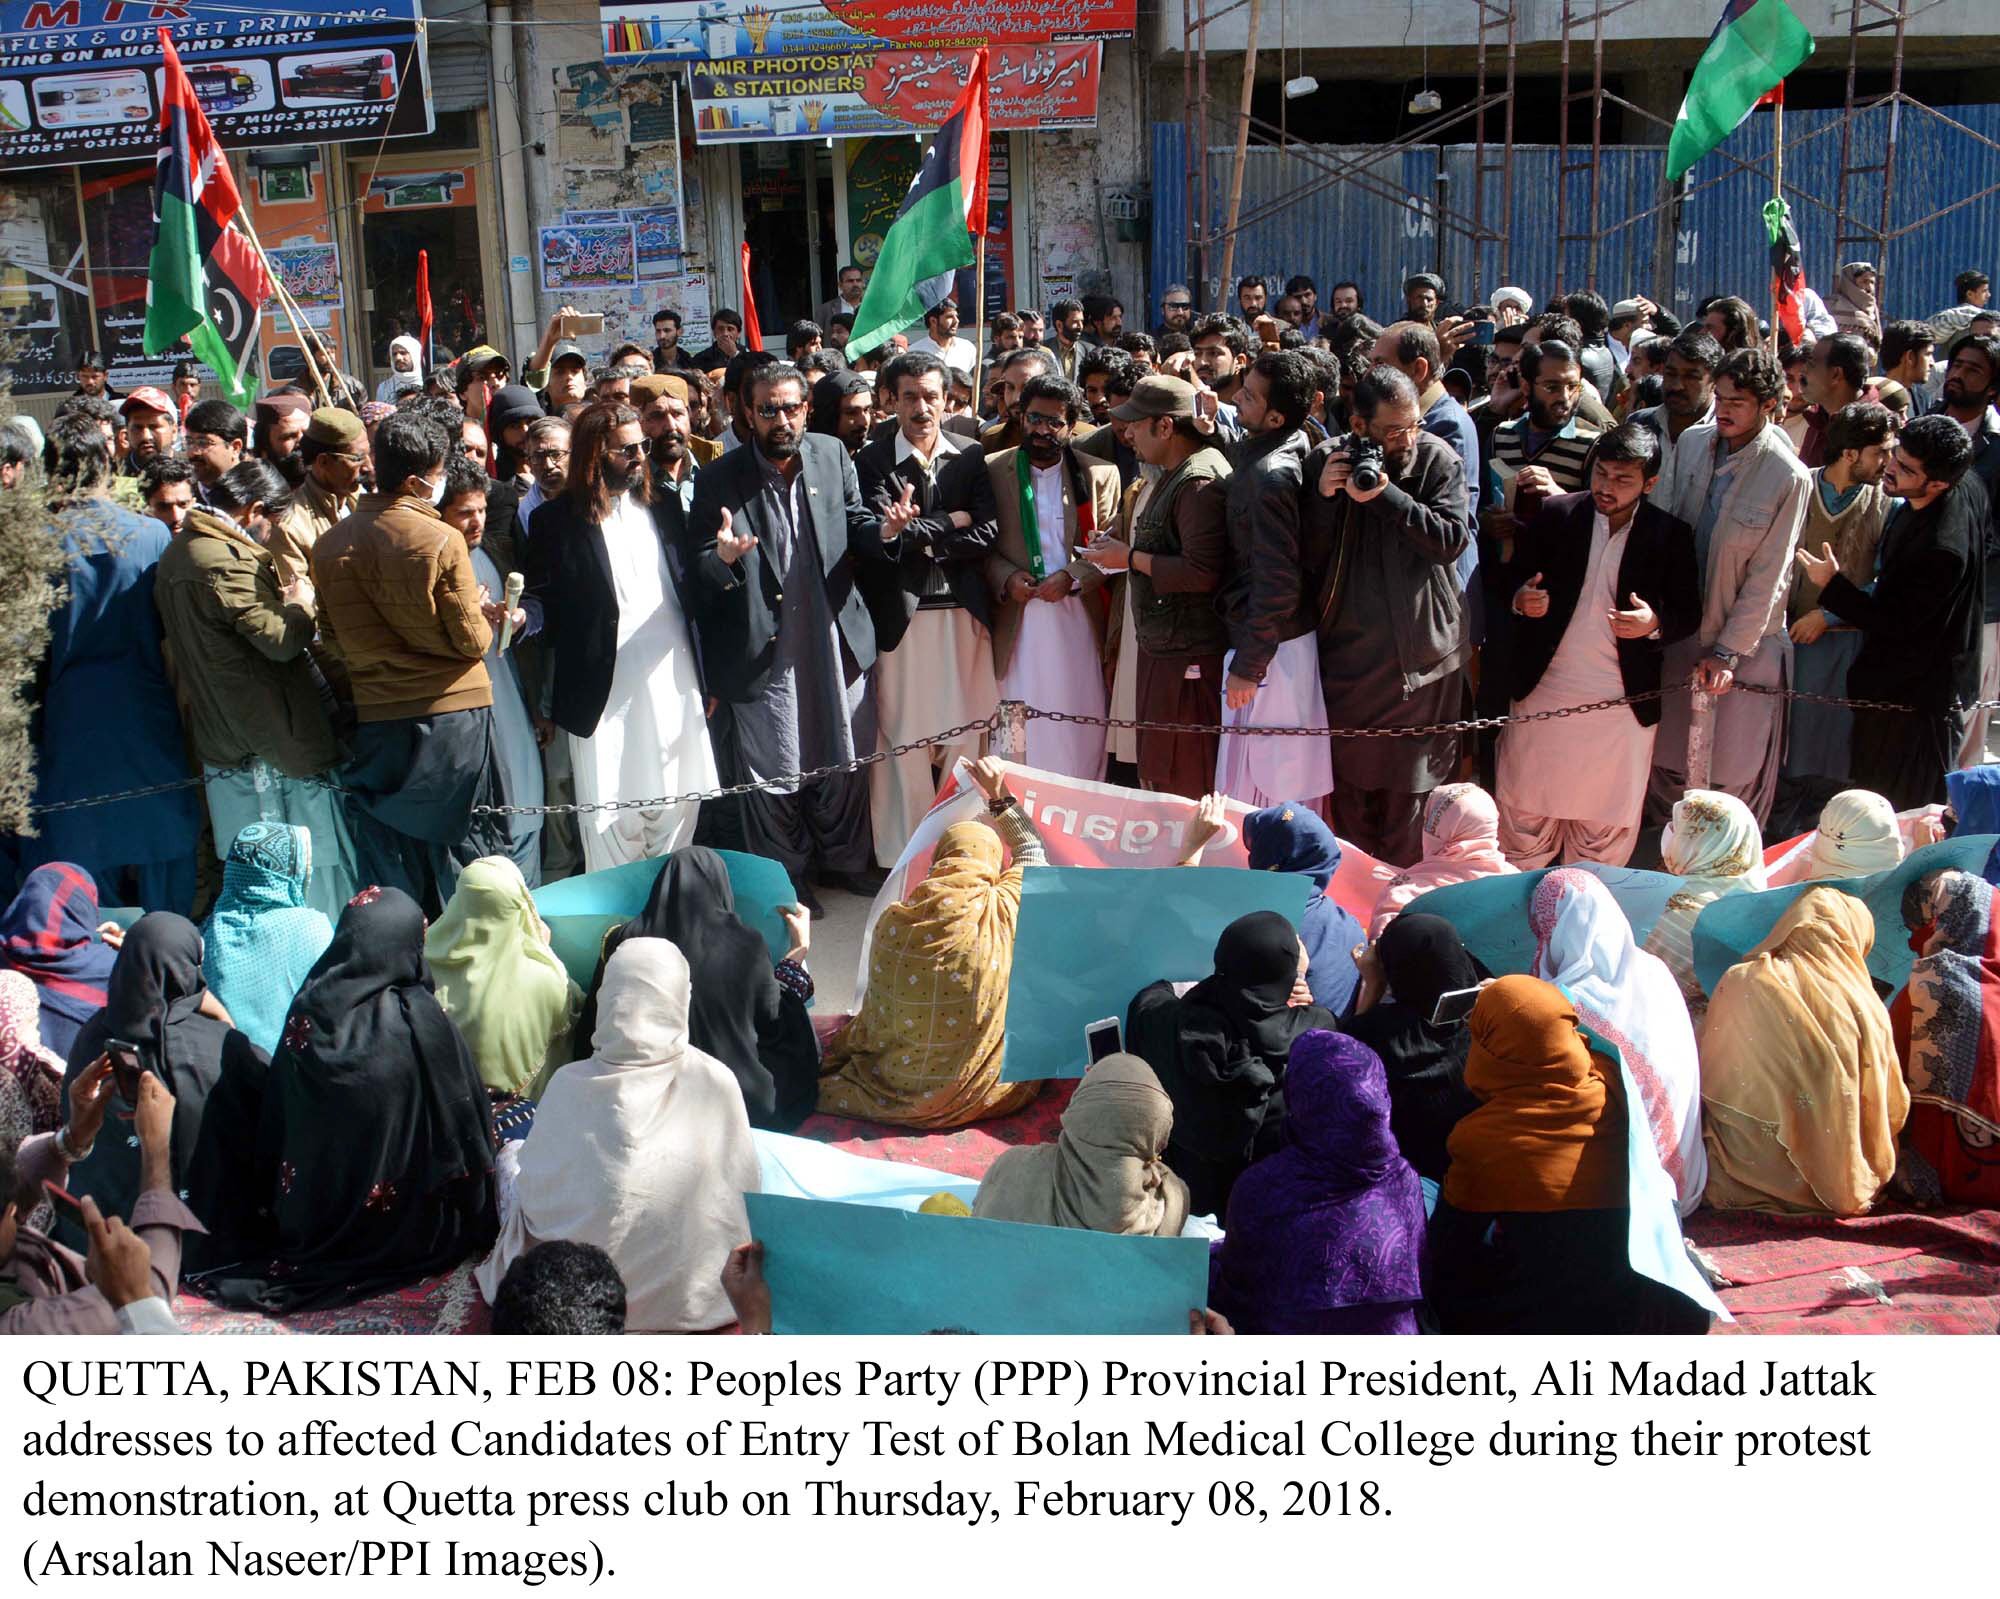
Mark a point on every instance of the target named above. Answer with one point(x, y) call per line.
point(941, 337)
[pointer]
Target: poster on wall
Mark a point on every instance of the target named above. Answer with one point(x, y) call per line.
point(80, 80)
point(775, 98)
point(713, 30)
point(599, 256)
point(310, 274)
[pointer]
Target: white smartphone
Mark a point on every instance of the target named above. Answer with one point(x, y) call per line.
point(1102, 1038)
point(1454, 1005)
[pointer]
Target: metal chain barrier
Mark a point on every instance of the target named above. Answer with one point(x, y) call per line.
point(992, 724)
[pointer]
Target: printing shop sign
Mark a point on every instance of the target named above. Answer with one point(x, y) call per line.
point(80, 80)
point(719, 30)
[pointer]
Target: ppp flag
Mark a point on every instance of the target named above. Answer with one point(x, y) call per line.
point(205, 281)
point(932, 235)
point(1755, 46)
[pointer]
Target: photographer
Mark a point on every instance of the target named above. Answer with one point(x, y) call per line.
point(1389, 500)
point(45, 1288)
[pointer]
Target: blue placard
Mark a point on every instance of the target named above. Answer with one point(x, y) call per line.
point(1091, 937)
point(1491, 913)
point(863, 1269)
point(581, 910)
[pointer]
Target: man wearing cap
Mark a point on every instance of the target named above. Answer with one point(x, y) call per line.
point(508, 415)
point(1174, 548)
point(1512, 306)
point(1423, 293)
point(934, 486)
point(673, 452)
point(280, 425)
point(1626, 317)
point(332, 453)
point(150, 428)
point(93, 376)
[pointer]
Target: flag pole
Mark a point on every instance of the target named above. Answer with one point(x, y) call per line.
point(287, 305)
point(1777, 191)
point(979, 338)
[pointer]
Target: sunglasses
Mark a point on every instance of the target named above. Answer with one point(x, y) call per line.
point(1177, 305)
point(1035, 422)
point(770, 413)
point(626, 452)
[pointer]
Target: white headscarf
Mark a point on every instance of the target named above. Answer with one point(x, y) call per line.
point(643, 1149)
point(1584, 943)
point(1858, 835)
point(394, 384)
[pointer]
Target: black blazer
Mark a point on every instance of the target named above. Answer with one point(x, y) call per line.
point(738, 606)
point(573, 604)
point(506, 539)
point(1658, 565)
point(961, 483)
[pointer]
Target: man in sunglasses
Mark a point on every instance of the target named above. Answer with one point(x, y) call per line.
point(786, 559)
point(606, 585)
point(1176, 310)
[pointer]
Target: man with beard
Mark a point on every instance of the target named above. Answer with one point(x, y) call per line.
point(668, 356)
point(1845, 512)
point(280, 425)
point(1270, 593)
point(1100, 364)
point(1423, 294)
point(1739, 485)
point(1687, 386)
point(779, 532)
point(607, 591)
point(1393, 636)
point(932, 492)
point(151, 428)
point(673, 453)
point(1543, 453)
point(941, 337)
point(1048, 630)
point(1920, 620)
point(548, 464)
point(562, 847)
point(167, 488)
point(1252, 298)
point(1610, 581)
point(332, 454)
point(1971, 390)
point(1066, 323)
point(1010, 380)
point(1176, 309)
point(843, 408)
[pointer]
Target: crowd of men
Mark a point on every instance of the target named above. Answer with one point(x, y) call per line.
point(410, 623)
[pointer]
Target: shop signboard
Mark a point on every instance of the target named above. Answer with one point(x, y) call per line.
point(717, 30)
point(80, 80)
point(853, 94)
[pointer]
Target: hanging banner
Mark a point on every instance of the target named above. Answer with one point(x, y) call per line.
point(710, 30)
point(80, 79)
point(852, 94)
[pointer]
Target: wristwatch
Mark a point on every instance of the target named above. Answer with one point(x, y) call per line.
point(1728, 658)
point(995, 807)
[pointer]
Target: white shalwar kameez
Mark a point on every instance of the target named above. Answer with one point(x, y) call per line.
point(652, 738)
point(1058, 664)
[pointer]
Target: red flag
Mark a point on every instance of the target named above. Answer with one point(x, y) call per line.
point(424, 303)
point(753, 336)
point(973, 152)
point(1775, 95)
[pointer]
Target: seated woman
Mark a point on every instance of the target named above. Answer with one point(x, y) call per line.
point(1859, 834)
point(1104, 1172)
point(926, 1046)
point(1530, 1232)
point(1802, 1093)
point(1290, 838)
point(374, 1144)
point(643, 1149)
point(1952, 1047)
point(1713, 845)
point(49, 935)
point(1629, 999)
point(1417, 959)
point(502, 986)
point(1220, 1052)
point(158, 1012)
point(262, 937)
point(748, 1015)
point(1327, 1235)
point(31, 1077)
point(1461, 842)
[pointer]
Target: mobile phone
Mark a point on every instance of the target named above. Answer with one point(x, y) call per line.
point(1454, 1005)
point(65, 1201)
point(1102, 1038)
point(124, 1057)
point(1482, 332)
point(578, 324)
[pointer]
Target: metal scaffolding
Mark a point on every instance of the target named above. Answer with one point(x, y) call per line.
point(1488, 220)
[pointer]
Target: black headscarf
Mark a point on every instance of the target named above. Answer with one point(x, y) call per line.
point(740, 1013)
point(1422, 957)
point(375, 1143)
point(1220, 1053)
point(153, 1000)
point(828, 394)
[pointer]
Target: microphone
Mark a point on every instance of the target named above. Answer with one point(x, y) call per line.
point(516, 582)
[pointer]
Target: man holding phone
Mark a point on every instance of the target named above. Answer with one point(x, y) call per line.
point(45, 1288)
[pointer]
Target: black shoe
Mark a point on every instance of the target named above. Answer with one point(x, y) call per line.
point(807, 898)
point(867, 883)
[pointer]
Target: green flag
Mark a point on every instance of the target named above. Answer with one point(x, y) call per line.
point(1754, 46)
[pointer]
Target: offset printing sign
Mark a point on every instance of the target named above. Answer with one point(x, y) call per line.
point(716, 30)
point(80, 80)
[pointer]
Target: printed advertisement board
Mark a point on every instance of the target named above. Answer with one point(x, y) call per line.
point(716, 30)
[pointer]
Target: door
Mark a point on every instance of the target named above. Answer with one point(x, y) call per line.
point(788, 216)
point(430, 207)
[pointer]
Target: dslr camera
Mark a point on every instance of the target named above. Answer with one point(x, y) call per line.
point(1364, 456)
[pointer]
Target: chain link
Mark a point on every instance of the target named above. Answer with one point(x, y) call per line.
point(992, 723)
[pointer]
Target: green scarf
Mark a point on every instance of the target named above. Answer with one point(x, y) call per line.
point(1031, 526)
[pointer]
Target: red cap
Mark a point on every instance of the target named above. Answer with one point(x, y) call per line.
point(151, 399)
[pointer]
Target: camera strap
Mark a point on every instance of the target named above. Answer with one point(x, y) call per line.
point(1334, 589)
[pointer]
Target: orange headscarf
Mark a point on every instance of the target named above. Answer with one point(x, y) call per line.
point(1550, 1134)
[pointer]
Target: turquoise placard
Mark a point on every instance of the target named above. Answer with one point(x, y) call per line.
point(1729, 928)
point(1491, 913)
point(1091, 937)
point(581, 910)
point(837, 1268)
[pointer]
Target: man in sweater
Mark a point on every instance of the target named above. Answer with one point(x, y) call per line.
point(399, 604)
point(1920, 625)
point(1845, 513)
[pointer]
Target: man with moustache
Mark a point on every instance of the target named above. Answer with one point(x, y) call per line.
point(605, 585)
point(1687, 386)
